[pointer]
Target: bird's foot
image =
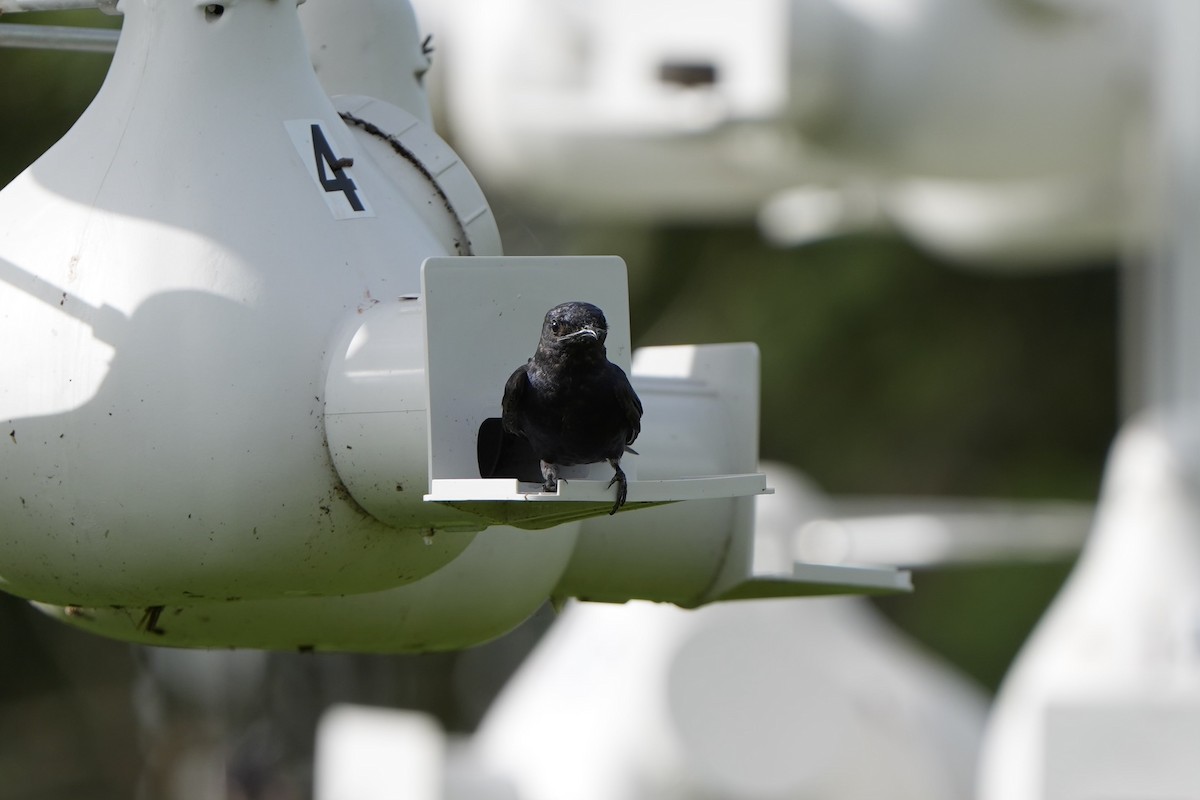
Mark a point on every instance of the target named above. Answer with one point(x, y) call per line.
point(622, 485)
point(550, 477)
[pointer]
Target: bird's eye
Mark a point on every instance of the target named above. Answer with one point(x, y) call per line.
point(554, 326)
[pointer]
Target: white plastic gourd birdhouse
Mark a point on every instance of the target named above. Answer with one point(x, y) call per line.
point(255, 344)
point(174, 271)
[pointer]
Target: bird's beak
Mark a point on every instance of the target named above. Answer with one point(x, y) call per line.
point(584, 331)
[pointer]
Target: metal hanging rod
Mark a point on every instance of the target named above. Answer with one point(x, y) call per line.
point(59, 37)
point(13, 6)
point(107, 6)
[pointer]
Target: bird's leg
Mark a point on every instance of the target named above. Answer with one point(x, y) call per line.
point(622, 485)
point(550, 476)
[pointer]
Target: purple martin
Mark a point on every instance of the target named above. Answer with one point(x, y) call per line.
point(572, 403)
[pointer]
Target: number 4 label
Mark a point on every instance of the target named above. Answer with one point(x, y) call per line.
point(331, 171)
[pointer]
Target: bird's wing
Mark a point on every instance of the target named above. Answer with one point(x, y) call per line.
point(631, 404)
point(514, 399)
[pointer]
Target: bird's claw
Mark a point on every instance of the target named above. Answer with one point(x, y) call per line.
point(552, 486)
point(622, 486)
point(550, 476)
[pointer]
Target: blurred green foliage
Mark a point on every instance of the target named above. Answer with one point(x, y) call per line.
point(885, 371)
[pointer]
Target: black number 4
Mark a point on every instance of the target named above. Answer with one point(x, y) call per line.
point(340, 181)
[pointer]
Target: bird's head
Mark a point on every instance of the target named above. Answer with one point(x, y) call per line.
point(574, 324)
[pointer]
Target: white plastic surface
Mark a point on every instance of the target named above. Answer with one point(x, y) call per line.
point(502, 577)
point(368, 47)
point(821, 579)
point(366, 753)
point(585, 118)
point(589, 491)
point(1122, 747)
point(172, 277)
point(376, 417)
point(440, 188)
point(938, 531)
point(1118, 646)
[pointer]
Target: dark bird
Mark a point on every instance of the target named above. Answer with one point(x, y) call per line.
point(572, 403)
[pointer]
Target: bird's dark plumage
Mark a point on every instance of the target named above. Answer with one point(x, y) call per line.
point(572, 403)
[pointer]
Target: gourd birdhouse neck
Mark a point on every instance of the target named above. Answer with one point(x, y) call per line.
point(213, 56)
